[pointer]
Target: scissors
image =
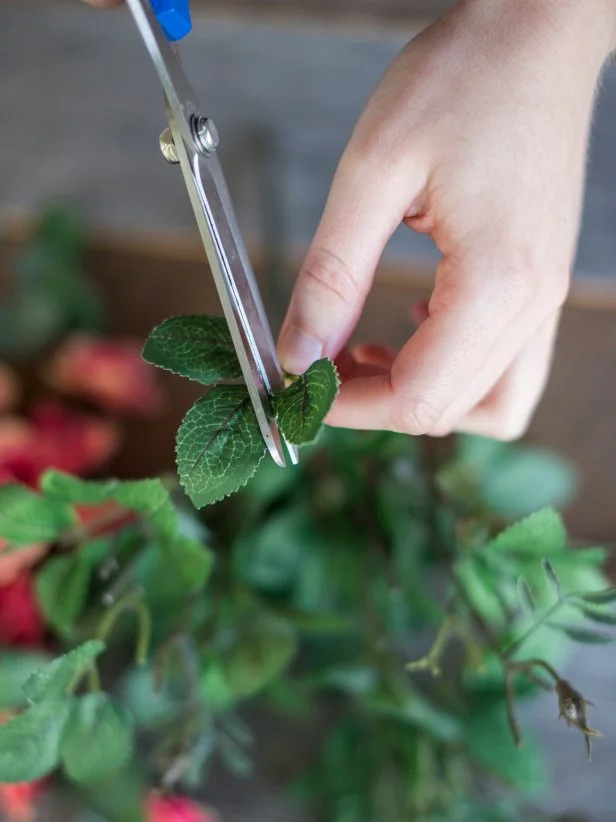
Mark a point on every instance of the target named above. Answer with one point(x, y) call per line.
point(192, 140)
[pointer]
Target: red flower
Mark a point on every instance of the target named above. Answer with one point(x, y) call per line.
point(110, 373)
point(18, 800)
point(177, 809)
point(21, 623)
point(54, 438)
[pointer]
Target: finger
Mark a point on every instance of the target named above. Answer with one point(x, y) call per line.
point(366, 204)
point(474, 305)
point(501, 357)
point(380, 356)
point(350, 368)
point(507, 410)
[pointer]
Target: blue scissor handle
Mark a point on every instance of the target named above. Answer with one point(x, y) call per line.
point(173, 16)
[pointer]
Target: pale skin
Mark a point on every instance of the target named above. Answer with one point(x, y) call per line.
point(476, 135)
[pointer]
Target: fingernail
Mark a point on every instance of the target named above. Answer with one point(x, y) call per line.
point(298, 350)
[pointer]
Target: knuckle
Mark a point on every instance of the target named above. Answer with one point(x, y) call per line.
point(327, 276)
point(416, 417)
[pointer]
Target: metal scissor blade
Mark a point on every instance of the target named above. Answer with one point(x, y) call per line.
point(209, 195)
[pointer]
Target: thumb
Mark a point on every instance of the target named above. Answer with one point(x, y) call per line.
point(365, 205)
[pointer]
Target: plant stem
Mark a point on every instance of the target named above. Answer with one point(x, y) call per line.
point(131, 602)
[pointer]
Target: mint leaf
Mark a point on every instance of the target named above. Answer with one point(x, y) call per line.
point(148, 497)
point(26, 517)
point(195, 346)
point(97, 740)
point(60, 676)
point(30, 742)
point(192, 561)
point(302, 407)
point(219, 445)
point(542, 533)
point(15, 668)
point(62, 589)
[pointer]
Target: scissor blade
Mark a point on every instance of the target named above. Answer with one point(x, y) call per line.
point(214, 213)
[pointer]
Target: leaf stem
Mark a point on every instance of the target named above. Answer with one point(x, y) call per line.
point(131, 602)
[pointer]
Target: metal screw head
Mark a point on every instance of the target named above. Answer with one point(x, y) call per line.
point(167, 146)
point(206, 134)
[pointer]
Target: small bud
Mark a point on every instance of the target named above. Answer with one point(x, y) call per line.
point(572, 706)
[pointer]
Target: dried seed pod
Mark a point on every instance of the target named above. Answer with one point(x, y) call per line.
point(572, 707)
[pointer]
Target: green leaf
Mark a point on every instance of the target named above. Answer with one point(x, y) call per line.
point(61, 675)
point(190, 561)
point(583, 635)
point(541, 533)
point(552, 577)
point(601, 597)
point(194, 346)
point(415, 711)
point(595, 615)
point(15, 668)
point(26, 517)
point(264, 650)
point(302, 407)
point(219, 445)
point(268, 558)
point(236, 759)
point(489, 740)
point(525, 595)
point(97, 740)
point(521, 480)
point(30, 742)
point(62, 589)
point(147, 497)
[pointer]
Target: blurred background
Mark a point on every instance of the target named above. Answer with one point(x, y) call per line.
point(284, 80)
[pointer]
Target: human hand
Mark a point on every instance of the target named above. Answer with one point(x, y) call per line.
point(476, 135)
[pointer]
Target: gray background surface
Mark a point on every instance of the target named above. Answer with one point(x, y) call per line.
point(81, 111)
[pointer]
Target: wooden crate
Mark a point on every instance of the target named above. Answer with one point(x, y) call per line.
point(147, 279)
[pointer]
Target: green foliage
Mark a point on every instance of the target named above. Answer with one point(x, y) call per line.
point(302, 407)
point(27, 518)
point(30, 742)
point(49, 293)
point(219, 445)
point(490, 742)
point(266, 647)
point(509, 480)
point(97, 740)
point(15, 668)
point(196, 346)
point(62, 590)
point(60, 677)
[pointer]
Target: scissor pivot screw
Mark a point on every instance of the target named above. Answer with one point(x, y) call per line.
point(167, 146)
point(206, 134)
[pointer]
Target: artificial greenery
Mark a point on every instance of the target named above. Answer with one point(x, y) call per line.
point(219, 444)
point(397, 598)
point(320, 581)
